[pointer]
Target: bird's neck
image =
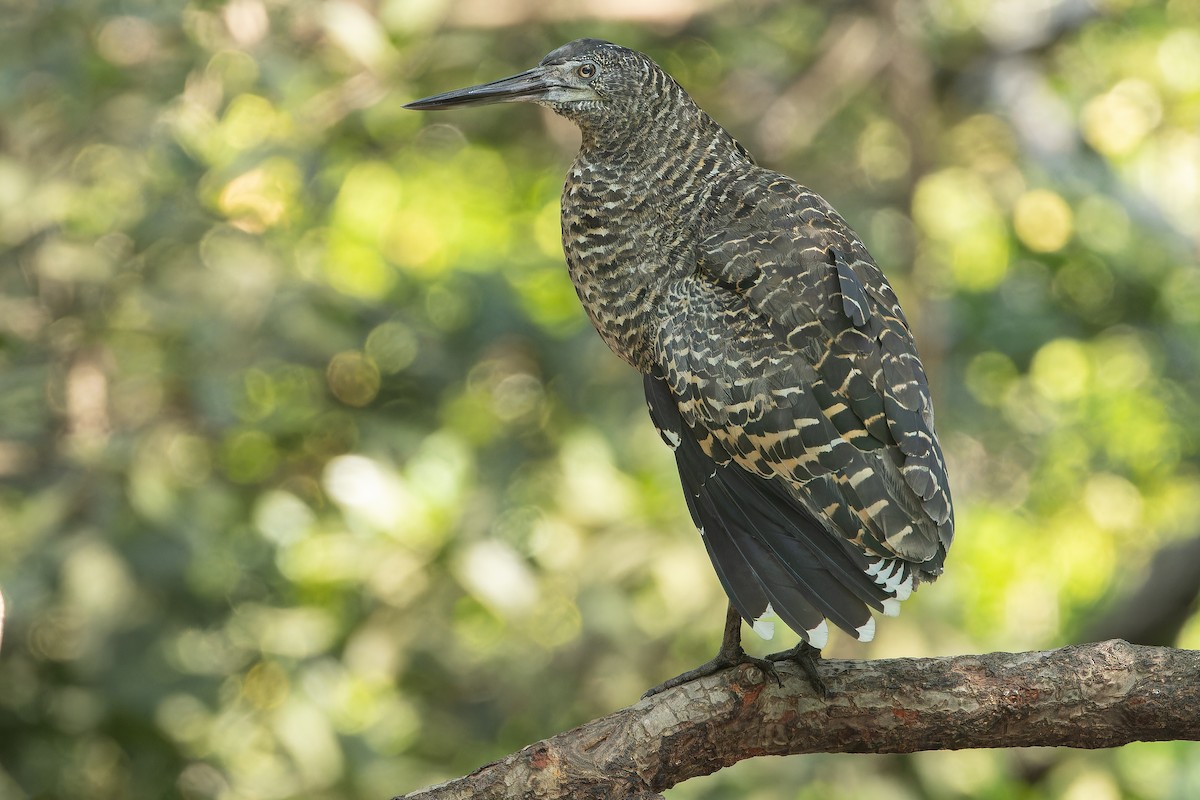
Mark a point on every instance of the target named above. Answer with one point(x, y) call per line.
point(634, 204)
point(669, 130)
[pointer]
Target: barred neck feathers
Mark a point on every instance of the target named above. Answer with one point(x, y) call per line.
point(633, 201)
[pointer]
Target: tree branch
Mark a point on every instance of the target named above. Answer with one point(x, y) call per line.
point(1088, 696)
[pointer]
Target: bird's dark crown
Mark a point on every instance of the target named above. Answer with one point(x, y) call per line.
point(578, 49)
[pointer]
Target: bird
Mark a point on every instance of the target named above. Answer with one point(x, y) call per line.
point(776, 361)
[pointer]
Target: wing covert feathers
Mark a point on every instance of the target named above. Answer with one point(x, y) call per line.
point(790, 389)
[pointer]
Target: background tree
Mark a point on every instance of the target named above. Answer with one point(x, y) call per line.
point(317, 483)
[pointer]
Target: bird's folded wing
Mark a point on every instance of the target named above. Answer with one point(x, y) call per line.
point(789, 350)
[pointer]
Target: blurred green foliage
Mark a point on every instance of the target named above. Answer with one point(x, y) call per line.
point(316, 482)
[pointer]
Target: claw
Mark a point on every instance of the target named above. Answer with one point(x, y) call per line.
point(806, 657)
point(731, 654)
point(720, 662)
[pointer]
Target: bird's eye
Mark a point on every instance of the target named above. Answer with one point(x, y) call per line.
point(586, 71)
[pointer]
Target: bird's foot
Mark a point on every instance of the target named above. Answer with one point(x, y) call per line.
point(806, 656)
point(723, 660)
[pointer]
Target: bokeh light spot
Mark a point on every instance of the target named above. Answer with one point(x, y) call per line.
point(259, 199)
point(495, 574)
point(282, 517)
point(392, 346)
point(1179, 60)
point(884, 152)
point(1043, 221)
point(353, 378)
point(184, 717)
point(247, 21)
point(956, 208)
point(989, 377)
point(266, 685)
point(357, 269)
point(127, 41)
point(368, 488)
point(248, 456)
point(1060, 370)
point(1116, 123)
point(1112, 501)
point(1103, 224)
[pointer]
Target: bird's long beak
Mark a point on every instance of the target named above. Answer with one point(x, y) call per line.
point(529, 85)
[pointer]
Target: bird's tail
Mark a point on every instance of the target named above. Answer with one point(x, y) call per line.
point(770, 553)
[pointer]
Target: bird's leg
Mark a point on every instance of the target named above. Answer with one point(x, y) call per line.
point(806, 656)
point(730, 655)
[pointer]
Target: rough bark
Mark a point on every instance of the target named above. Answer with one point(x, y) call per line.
point(1086, 696)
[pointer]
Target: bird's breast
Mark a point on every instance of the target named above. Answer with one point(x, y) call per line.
point(623, 248)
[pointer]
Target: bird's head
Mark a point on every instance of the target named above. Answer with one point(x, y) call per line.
point(590, 81)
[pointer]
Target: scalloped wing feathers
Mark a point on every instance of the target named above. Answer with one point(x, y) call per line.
point(792, 369)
